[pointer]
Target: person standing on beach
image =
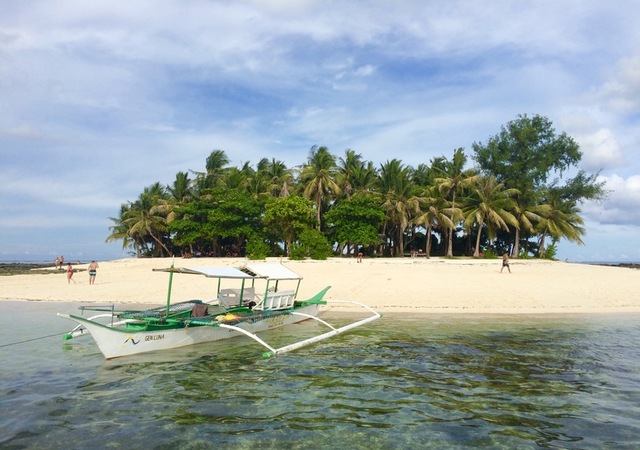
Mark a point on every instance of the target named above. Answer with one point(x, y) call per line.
point(505, 262)
point(70, 274)
point(93, 267)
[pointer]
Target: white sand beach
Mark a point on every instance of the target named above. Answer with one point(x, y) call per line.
point(401, 285)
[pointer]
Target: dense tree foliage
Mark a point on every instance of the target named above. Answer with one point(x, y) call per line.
point(355, 222)
point(528, 155)
point(513, 200)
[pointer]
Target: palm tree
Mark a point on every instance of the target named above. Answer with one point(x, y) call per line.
point(434, 209)
point(277, 177)
point(318, 178)
point(400, 201)
point(528, 213)
point(120, 230)
point(182, 189)
point(215, 167)
point(364, 179)
point(147, 218)
point(423, 176)
point(349, 165)
point(235, 179)
point(451, 179)
point(490, 206)
point(561, 221)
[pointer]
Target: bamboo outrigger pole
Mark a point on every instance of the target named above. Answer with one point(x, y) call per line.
point(287, 348)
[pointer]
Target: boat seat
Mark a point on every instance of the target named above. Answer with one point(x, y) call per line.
point(230, 298)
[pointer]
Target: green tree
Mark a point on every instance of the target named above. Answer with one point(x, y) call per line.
point(181, 190)
point(349, 165)
point(318, 179)
point(451, 178)
point(489, 206)
point(399, 199)
point(363, 180)
point(146, 220)
point(529, 212)
point(529, 155)
point(356, 221)
point(311, 243)
point(218, 215)
point(277, 177)
point(190, 226)
point(526, 152)
point(288, 217)
point(434, 213)
point(257, 247)
point(214, 170)
point(235, 215)
point(120, 230)
point(562, 220)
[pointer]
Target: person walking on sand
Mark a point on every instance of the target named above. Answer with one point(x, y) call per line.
point(505, 262)
point(70, 274)
point(93, 267)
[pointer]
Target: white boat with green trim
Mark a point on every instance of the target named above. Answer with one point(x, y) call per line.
point(259, 303)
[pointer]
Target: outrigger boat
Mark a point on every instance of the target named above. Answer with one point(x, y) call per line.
point(241, 311)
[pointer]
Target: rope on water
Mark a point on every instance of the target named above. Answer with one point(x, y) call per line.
point(32, 339)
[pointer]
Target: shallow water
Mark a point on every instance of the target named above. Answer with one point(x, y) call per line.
point(401, 382)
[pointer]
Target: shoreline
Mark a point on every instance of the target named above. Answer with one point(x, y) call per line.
point(390, 285)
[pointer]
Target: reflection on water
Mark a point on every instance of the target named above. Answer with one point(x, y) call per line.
point(431, 381)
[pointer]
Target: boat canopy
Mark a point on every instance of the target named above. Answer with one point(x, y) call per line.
point(250, 271)
point(211, 272)
point(272, 271)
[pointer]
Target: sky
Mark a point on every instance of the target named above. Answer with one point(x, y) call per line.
point(100, 99)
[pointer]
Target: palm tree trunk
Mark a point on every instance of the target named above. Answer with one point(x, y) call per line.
point(450, 243)
point(476, 252)
point(541, 244)
point(516, 245)
point(427, 249)
point(318, 204)
point(159, 242)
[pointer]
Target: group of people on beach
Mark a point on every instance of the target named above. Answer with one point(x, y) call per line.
point(93, 270)
point(93, 267)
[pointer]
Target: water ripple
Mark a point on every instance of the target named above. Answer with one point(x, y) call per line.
point(437, 381)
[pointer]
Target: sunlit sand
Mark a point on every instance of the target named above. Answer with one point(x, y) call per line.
point(416, 285)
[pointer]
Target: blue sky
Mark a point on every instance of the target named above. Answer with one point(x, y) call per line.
point(100, 99)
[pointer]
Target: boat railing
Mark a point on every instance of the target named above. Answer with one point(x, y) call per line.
point(276, 300)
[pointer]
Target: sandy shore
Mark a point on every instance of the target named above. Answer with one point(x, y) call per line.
point(390, 285)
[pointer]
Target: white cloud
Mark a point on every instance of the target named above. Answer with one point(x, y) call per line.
point(622, 92)
point(600, 150)
point(622, 205)
point(101, 99)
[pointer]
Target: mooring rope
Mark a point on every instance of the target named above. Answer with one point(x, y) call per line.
point(32, 339)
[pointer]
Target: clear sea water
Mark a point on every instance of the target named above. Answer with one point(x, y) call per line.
point(434, 381)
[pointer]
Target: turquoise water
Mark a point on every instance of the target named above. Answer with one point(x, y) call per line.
point(402, 382)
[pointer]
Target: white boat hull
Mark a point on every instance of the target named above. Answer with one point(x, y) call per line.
point(117, 342)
